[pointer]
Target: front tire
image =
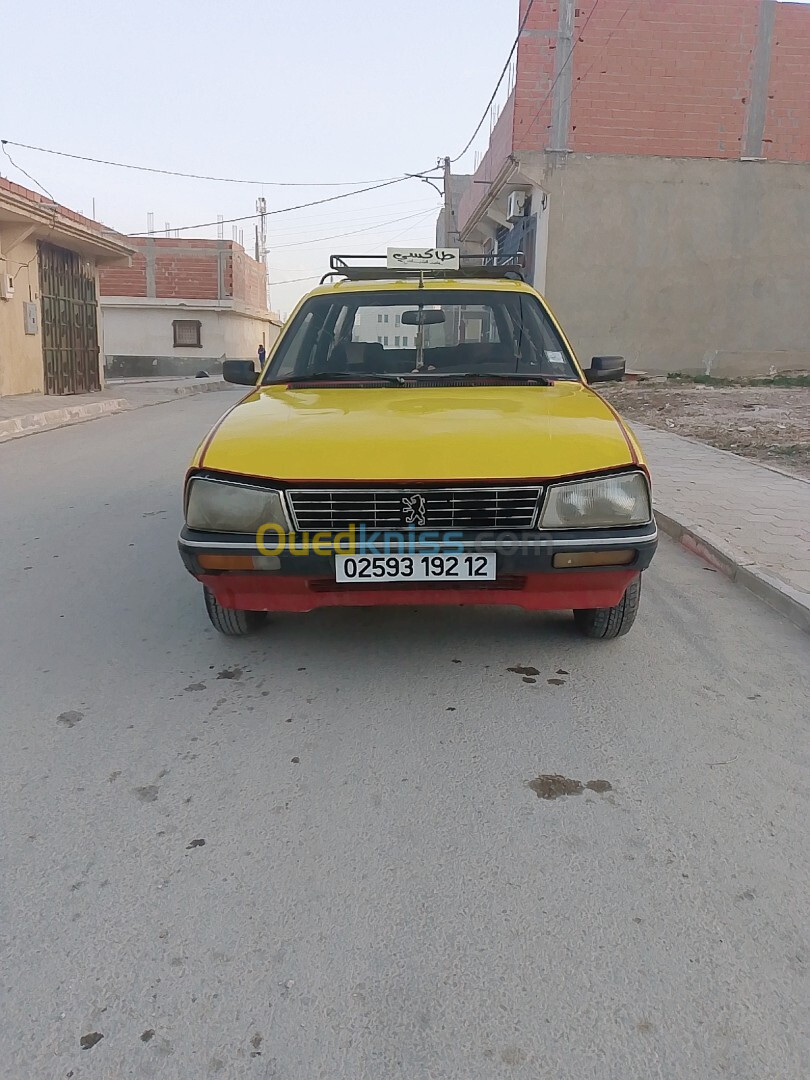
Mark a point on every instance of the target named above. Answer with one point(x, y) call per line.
point(610, 622)
point(230, 621)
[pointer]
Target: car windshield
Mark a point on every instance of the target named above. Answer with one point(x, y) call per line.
point(422, 332)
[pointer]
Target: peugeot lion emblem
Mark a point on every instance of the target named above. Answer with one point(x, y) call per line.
point(414, 510)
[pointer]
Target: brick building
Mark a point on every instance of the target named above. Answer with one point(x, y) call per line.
point(184, 305)
point(659, 177)
point(49, 311)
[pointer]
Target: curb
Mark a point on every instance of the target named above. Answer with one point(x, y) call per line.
point(793, 603)
point(32, 423)
point(204, 387)
point(49, 420)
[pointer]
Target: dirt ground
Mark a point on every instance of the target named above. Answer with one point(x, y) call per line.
point(765, 423)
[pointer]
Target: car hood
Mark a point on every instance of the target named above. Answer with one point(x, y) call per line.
point(424, 433)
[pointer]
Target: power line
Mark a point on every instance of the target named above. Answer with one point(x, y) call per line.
point(585, 75)
point(354, 232)
point(20, 169)
point(186, 175)
point(523, 22)
point(355, 218)
point(293, 280)
point(566, 62)
point(284, 209)
point(397, 235)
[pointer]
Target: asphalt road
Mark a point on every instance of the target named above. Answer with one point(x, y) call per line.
point(316, 854)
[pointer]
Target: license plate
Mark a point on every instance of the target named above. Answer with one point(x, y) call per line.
point(360, 569)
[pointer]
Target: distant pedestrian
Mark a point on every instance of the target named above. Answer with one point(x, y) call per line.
point(262, 355)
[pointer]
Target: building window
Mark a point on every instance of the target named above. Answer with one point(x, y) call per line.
point(396, 342)
point(398, 319)
point(379, 339)
point(379, 317)
point(187, 334)
point(385, 341)
point(385, 317)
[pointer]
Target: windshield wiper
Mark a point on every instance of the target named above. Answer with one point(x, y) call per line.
point(506, 376)
point(336, 376)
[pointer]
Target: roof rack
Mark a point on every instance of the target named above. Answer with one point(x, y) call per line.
point(374, 268)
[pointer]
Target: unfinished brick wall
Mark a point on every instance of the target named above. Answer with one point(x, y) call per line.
point(535, 74)
point(500, 147)
point(249, 280)
point(123, 280)
point(187, 276)
point(670, 78)
point(169, 268)
point(787, 120)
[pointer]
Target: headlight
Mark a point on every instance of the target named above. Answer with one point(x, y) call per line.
point(215, 506)
point(593, 504)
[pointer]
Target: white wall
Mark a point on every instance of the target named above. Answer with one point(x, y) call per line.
point(145, 330)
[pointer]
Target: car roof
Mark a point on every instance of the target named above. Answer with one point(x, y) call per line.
point(506, 285)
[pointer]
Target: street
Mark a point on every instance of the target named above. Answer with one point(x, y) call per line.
point(316, 853)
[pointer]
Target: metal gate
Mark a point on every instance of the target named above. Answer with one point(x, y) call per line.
point(70, 346)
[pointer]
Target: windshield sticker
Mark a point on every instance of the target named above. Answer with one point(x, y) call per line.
point(555, 357)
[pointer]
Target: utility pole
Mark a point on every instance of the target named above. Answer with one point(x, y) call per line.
point(261, 242)
point(448, 203)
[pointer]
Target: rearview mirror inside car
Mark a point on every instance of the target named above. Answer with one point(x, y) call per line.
point(426, 318)
point(241, 372)
point(605, 369)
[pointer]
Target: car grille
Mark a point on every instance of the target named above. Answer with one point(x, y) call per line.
point(425, 508)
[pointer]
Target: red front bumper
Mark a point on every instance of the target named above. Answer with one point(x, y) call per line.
point(556, 591)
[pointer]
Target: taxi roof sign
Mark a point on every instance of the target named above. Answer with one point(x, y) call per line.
point(423, 259)
point(380, 268)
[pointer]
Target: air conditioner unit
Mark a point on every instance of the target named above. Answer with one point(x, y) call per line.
point(515, 205)
point(6, 286)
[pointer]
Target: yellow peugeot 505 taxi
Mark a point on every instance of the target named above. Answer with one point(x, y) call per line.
point(421, 433)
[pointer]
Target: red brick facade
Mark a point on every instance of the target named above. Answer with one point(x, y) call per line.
point(787, 121)
point(670, 78)
point(129, 281)
point(168, 268)
point(249, 281)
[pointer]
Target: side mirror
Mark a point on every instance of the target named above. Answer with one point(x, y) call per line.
point(605, 369)
point(241, 372)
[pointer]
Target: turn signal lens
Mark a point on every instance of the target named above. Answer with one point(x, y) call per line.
point(564, 561)
point(239, 562)
point(225, 562)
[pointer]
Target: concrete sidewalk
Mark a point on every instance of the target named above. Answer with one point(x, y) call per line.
point(748, 520)
point(26, 414)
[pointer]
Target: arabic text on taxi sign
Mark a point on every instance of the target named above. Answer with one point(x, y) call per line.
point(423, 259)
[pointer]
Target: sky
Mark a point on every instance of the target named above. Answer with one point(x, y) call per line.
point(273, 90)
point(279, 90)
